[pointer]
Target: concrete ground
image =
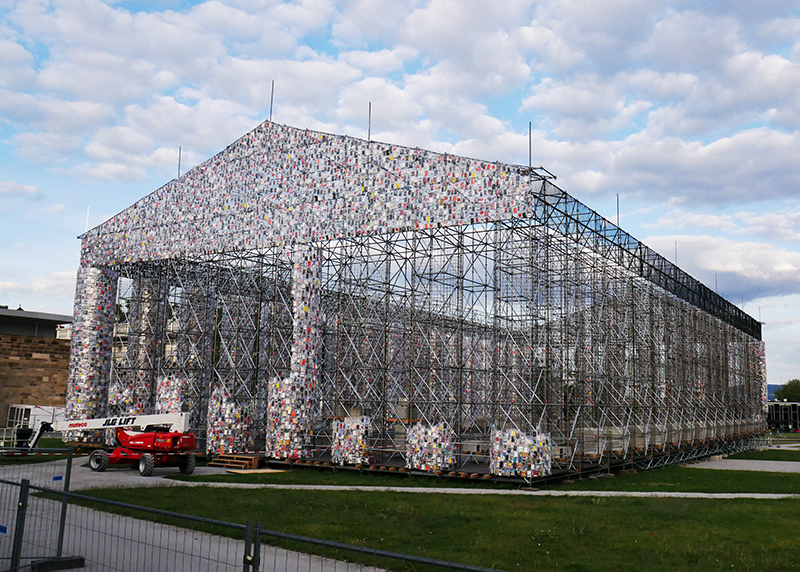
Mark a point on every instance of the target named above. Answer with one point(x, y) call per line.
point(747, 465)
point(124, 477)
point(113, 542)
point(141, 545)
point(84, 478)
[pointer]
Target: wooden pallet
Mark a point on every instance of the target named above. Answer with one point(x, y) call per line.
point(233, 461)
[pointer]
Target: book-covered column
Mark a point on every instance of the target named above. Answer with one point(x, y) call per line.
point(291, 401)
point(90, 353)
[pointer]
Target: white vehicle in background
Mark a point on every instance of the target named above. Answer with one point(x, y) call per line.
point(24, 419)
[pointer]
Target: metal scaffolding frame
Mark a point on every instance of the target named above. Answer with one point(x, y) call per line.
point(507, 324)
point(501, 306)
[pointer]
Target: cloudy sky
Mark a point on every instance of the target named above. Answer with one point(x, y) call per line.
point(688, 110)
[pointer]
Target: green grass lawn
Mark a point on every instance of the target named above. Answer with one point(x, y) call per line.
point(785, 438)
point(769, 455)
point(672, 478)
point(311, 476)
point(50, 443)
point(516, 532)
point(44, 443)
point(689, 479)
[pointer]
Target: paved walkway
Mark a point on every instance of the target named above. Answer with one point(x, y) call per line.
point(84, 478)
point(113, 542)
point(747, 465)
point(501, 492)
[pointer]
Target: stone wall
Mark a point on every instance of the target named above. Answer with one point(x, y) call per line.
point(33, 371)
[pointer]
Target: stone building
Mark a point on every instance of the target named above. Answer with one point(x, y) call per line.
point(33, 361)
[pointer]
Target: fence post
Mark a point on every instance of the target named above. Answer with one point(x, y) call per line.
point(63, 520)
point(19, 528)
point(257, 548)
point(248, 541)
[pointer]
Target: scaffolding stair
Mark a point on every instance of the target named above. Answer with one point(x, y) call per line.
point(236, 461)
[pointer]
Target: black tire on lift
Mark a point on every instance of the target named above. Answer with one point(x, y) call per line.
point(186, 463)
point(147, 463)
point(98, 461)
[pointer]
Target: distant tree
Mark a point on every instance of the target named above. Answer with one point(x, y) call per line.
point(790, 391)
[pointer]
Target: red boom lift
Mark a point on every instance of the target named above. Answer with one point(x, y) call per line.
point(162, 440)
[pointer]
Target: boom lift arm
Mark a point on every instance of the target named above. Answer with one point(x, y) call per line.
point(161, 440)
point(174, 421)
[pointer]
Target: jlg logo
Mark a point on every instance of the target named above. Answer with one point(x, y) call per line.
point(119, 421)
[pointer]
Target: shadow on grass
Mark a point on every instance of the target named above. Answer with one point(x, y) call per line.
point(514, 532)
point(672, 478)
point(769, 455)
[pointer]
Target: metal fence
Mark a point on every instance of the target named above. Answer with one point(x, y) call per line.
point(44, 526)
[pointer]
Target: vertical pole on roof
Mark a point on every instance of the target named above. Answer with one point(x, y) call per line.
point(530, 145)
point(271, 99)
point(617, 210)
point(369, 122)
point(179, 161)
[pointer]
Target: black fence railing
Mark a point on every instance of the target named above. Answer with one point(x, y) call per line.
point(45, 526)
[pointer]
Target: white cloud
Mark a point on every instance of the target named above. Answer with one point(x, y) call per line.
point(466, 48)
point(378, 62)
point(17, 190)
point(690, 104)
point(303, 16)
point(48, 292)
point(50, 113)
point(46, 148)
point(583, 96)
point(754, 165)
point(584, 107)
point(747, 87)
point(781, 333)
point(362, 22)
point(452, 29)
point(692, 41)
point(678, 219)
point(749, 269)
point(551, 51)
point(782, 225)
point(392, 108)
point(662, 86)
point(118, 141)
point(607, 33)
point(49, 210)
point(109, 171)
point(17, 65)
point(104, 77)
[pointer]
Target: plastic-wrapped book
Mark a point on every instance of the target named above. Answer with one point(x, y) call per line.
point(350, 441)
point(228, 423)
point(517, 454)
point(430, 448)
